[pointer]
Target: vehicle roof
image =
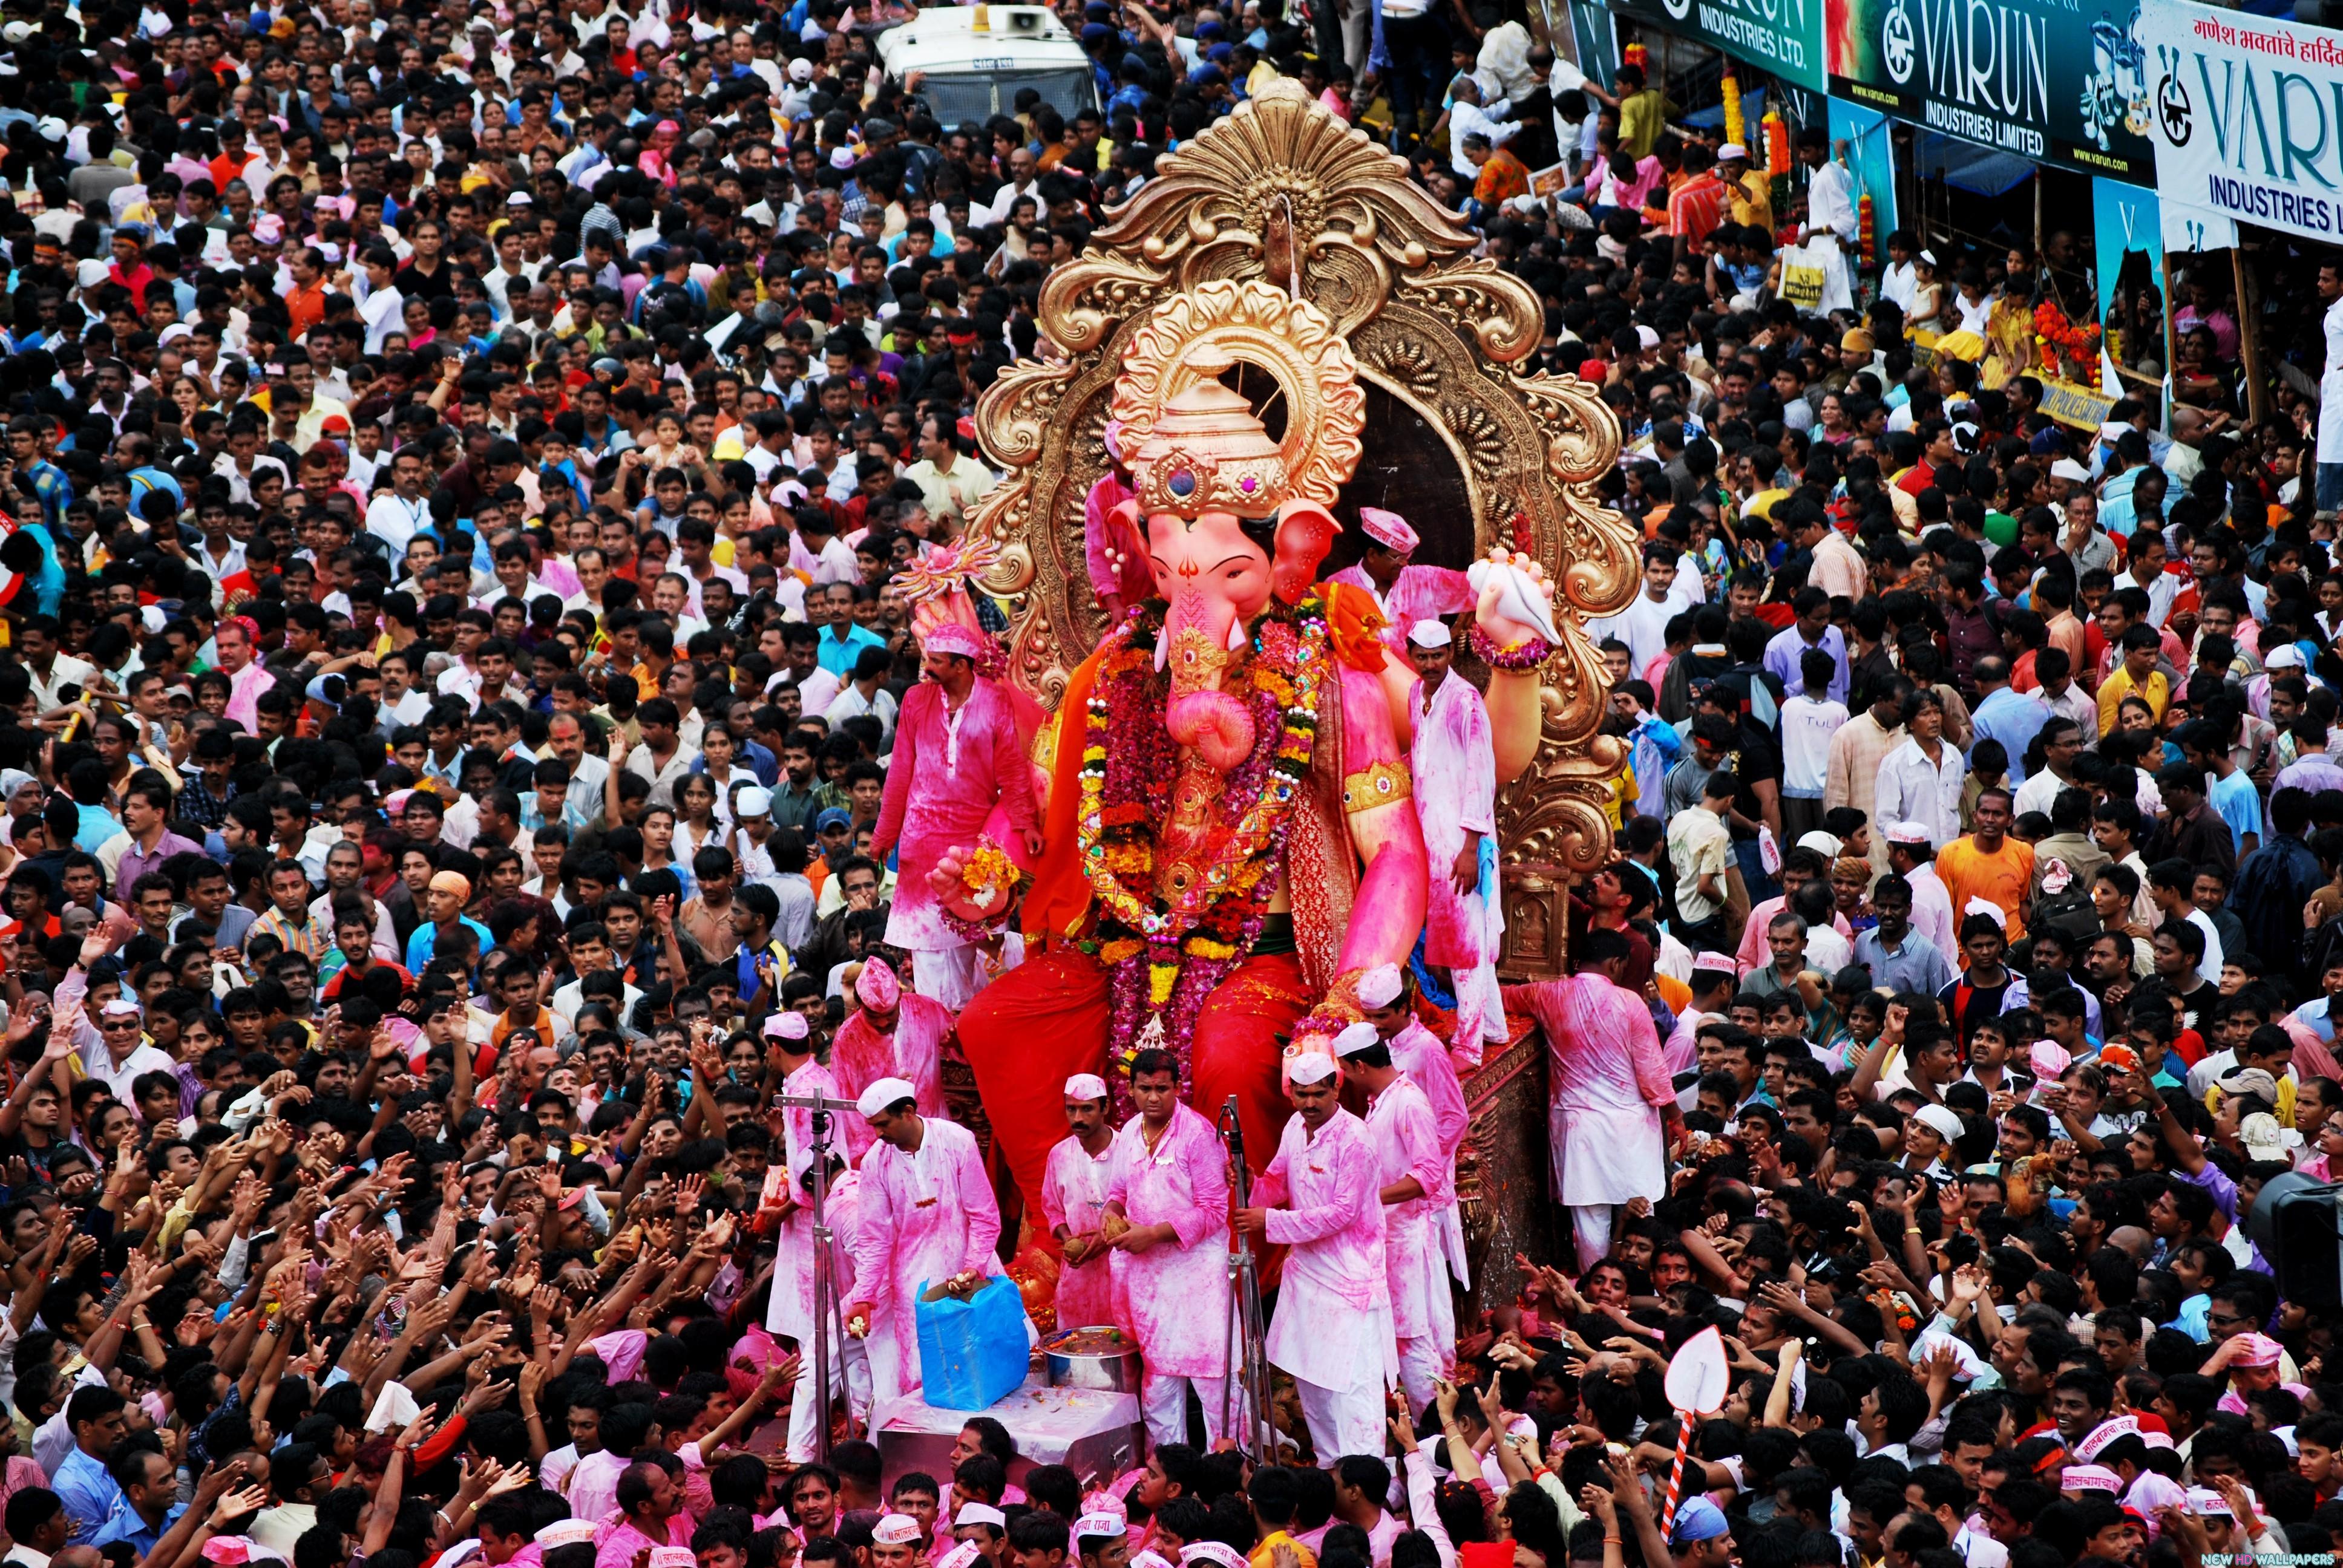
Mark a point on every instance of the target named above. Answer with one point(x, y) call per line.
point(944, 38)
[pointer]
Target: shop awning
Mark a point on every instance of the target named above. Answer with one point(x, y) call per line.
point(1965, 166)
point(1753, 110)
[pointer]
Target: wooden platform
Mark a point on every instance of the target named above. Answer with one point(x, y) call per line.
point(1501, 1175)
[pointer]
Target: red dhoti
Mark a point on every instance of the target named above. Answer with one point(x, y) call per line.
point(1045, 1019)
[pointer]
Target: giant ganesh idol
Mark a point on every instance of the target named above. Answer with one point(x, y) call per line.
point(1226, 796)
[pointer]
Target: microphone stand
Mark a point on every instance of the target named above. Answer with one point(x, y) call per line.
point(826, 1304)
point(1246, 1341)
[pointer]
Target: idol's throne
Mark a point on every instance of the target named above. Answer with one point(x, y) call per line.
point(1473, 452)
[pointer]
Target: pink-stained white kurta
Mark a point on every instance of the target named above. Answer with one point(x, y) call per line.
point(1417, 1051)
point(1175, 1295)
point(1333, 1323)
point(860, 1056)
point(1100, 528)
point(1454, 763)
point(1609, 1084)
point(244, 689)
point(793, 1280)
point(922, 1217)
point(790, 1309)
point(1073, 1194)
point(1406, 1140)
point(951, 766)
point(1421, 593)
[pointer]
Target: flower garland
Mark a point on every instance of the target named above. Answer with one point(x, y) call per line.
point(1527, 654)
point(984, 889)
point(2063, 338)
point(1167, 957)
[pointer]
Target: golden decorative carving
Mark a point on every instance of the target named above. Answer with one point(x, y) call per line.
point(1381, 784)
point(1174, 418)
point(1302, 228)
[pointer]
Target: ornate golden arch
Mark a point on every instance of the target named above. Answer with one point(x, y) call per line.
point(1281, 189)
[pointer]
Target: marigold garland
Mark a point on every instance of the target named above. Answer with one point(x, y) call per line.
point(2078, 343)
point(1166, 958)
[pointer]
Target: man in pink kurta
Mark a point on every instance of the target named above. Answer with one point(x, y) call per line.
point(892, 1034)
point(1320, 1198)
point(956, 759)
point(925, 1214)
point(1454, 763)
point(1406, 593)
point(1073, 1204)
point(1612, 1104)
point(656, 1521)
point(1412, 1177)
point(790, 1306)
point(1387, 998)
point(1170, 1184)
point(1112, 550)
point(240, 661)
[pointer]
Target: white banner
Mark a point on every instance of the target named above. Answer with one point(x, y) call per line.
point(2247, 117)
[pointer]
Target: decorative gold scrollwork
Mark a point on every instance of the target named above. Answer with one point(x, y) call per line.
point(1313, 233)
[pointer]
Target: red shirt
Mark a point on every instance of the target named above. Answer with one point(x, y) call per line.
point(1695, 209)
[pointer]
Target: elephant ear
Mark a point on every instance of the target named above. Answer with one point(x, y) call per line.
point(1305, 532)
point(1130, 515)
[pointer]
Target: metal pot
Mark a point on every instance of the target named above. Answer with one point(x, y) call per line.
point(1112, 1371)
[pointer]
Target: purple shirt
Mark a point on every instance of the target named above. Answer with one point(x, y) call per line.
point(137, 862)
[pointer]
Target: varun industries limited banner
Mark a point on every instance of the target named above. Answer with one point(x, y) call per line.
point(1781, 37)
point(2248, 122)
point(2061, 82)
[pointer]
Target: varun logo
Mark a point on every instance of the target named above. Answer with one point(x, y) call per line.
point(1679, 9)
point(1897, 42)
point(2173, 111)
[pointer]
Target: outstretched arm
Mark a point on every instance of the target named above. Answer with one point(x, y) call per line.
point(1388, 909)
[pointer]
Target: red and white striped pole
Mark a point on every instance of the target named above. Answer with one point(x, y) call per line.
point(1675, 1476)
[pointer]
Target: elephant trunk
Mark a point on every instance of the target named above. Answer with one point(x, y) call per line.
point(1216, 725)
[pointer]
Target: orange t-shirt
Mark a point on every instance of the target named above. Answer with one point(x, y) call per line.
point(1999, 879)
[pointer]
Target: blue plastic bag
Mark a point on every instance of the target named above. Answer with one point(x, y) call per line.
point(972, 1354)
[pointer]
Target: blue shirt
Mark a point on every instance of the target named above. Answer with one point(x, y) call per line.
point(127, 1525)
point(2238, 804)
point(426, 936)
point(89, 1494)
point(837, 655)
point(55, 490)
point(2013, 720)
point(1788, 647)
point(97, 825)
point(49, 582)
point(2117, 509)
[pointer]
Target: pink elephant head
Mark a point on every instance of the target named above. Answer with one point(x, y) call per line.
point(1221, 540)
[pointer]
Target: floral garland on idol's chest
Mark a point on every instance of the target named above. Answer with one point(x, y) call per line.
point(1179, 854)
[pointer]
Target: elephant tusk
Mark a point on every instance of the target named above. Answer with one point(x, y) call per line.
point(1238, 640)
point(1164, 647)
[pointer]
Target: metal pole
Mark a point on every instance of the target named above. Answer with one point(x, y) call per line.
point(825, 1279)
point(1247, 1340)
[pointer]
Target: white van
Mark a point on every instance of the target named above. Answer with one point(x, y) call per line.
point(972, 59)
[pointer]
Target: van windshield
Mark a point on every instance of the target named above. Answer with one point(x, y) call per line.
point(958, 96)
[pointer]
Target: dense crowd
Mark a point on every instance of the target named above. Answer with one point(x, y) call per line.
point(467, 751)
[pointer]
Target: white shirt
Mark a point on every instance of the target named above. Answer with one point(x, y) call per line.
point(383, 315)
point(1643, 626)
point(394, 519)
point(2330, 389)
point(815, 693)
point(1898, 282)
point(1910, 789)
point(66, 670)
point(2161, 590)
point(1807, 727)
